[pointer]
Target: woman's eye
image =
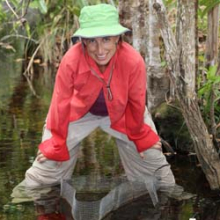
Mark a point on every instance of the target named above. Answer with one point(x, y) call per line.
point(90, 41)
point(106, 39)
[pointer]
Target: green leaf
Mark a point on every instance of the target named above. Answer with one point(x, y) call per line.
point(217, 80)
point(201, 58)
point(163, 63)
point(39, 4)
point(210, 5)
point(76, 11)
point(205, 89)
point(42, 6)
point(2, 14)
point(33, 4)
point(27, 28)
point(211, 72)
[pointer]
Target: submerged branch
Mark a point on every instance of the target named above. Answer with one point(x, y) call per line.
point(31, 86)
point(27, 71)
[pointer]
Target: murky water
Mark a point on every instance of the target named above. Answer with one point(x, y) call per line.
point(21, 120)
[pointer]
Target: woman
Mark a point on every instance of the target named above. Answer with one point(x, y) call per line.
point(101, 82)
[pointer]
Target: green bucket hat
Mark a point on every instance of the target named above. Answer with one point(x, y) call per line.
point(99, 21)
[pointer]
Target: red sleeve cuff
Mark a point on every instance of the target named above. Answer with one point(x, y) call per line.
point(54, 151)
point(147, 142)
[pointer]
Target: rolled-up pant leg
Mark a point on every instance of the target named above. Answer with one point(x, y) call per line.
point(51, 172)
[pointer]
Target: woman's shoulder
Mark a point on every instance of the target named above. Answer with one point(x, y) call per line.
point(74, 52)
point(128, 54)
point(72, 58)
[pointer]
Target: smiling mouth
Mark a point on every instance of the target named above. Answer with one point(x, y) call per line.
point(101, 57)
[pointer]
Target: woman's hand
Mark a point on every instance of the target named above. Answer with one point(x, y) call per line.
point(157, 146)
point(40, 157)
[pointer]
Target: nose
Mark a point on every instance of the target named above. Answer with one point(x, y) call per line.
point(100, 48)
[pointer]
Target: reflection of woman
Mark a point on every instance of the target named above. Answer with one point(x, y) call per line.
point(101, 82)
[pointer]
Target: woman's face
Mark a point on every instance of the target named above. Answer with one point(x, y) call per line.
point(101, 49)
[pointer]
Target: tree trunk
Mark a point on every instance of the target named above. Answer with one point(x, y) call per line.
point(133, 16)
point(203, 144)
point(205, 150)
point(145, 39)
point(185, 38)
point(125, 14)
point(158, 83)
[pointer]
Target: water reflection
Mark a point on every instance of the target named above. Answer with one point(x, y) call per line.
point(112, 194)
point(21, 120)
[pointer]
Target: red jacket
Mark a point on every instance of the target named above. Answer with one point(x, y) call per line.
point(52, 216)
point(76, 89)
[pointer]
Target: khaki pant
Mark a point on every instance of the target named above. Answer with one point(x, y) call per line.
point(154, 170)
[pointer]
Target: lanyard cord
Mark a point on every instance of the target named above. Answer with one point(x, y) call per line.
point(110, 97)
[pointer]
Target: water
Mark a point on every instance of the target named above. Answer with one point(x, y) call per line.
point(22, 117)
